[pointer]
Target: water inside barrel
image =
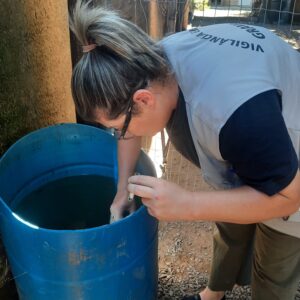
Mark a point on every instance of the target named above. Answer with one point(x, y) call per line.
point(76, 202)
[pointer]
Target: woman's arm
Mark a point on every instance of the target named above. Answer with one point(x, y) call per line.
point(168, 201)
point(245, 204)
point(128, 153)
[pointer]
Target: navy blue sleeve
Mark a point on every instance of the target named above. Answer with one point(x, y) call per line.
point(255, 141)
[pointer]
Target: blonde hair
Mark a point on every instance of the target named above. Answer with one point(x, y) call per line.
point(124, 60)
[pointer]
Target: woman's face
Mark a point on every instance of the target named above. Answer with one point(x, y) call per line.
point(154, 104)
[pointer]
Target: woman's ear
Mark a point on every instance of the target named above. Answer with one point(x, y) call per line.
point(144, 98)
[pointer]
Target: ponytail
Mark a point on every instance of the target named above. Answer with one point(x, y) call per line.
point(123, 59)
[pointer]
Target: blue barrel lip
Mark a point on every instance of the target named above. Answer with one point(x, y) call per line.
point(61, 231)
point(40, 130)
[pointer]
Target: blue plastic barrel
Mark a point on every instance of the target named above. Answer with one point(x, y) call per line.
point(117, 261)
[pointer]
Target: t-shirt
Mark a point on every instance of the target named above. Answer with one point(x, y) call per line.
point(179, 132)
point(254, 140)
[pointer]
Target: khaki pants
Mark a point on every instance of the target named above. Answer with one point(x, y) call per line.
point(259, 255)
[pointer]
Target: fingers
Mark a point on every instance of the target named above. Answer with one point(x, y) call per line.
point(143, 180)
point(141, 191)
point(148, 205)
point(116, 210)
point(112, 219)
point(139, 185)
point(120, 209)
point(115, 216)
point(150, 211)
point(143, 186)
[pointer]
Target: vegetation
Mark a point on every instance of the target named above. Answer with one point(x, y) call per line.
point(200, 4)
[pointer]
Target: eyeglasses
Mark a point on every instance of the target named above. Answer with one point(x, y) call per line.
point(121, 134)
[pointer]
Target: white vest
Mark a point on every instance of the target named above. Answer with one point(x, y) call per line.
point(218, 68)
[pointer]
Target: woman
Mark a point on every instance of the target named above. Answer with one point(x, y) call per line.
point(229, 96)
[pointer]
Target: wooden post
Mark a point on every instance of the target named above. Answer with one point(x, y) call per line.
point(35, 67)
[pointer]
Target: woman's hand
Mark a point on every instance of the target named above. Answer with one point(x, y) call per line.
point(121, 206)
point(164, 200)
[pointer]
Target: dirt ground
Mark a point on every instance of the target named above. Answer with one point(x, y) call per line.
point(185, 250)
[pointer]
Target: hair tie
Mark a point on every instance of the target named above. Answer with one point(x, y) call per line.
point(88, 48)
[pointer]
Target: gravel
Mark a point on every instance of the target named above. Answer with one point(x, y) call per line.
point(185, 251)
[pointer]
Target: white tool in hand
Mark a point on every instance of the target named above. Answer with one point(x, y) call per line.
point(131, 195)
